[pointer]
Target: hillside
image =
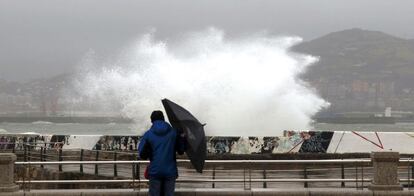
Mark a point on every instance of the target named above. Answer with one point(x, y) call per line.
point(362, 51)
point(370, 66)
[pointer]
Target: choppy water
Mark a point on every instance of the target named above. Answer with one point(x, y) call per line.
point(129, 129)
point(69, 128)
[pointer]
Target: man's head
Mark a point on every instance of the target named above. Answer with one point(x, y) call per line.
point(157, 115)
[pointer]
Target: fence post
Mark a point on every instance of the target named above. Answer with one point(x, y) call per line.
point(7, 169)
point(41, 156)
point(115, 167)
point(136, 166)
point(133, 168)
point(250, 177)
point(60, 159)
point(25, 153)
point(342, 174)
point(412, 173)
point(244, 178)
point(213, 185)
point(134, 174)
point(264, 177)
point(96, 165)
point(81, 159)
point(44, 153)
point(29, 152)
point(385, 171)
point(305, 176)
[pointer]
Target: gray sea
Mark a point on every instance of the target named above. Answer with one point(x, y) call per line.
point(70, 128)
point(130, 129)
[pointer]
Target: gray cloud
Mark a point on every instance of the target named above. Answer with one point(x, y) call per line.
point(47, 37)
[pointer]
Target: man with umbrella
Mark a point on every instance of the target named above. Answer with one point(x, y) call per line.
point(160, 144)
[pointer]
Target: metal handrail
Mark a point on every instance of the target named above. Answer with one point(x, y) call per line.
point(325, 161)
point(361, 162)
point(406, 160)
point(189, 180)
point(193, 180)
point(246, 164)
point(77, 162)
point(328, 161)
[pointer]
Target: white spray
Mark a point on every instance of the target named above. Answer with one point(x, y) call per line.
point(247, 86)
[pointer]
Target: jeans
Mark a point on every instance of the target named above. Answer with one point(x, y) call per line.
point(162, 186)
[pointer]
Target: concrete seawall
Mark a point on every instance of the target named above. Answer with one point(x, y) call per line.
point(289, 142)
point(217, 192)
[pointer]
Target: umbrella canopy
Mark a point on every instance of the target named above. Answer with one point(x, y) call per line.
point(184, 121)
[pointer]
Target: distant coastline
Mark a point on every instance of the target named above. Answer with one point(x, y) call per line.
point(64, 119)
point(357, 120)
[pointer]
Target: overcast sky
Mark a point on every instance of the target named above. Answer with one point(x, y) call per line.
point(43, 38)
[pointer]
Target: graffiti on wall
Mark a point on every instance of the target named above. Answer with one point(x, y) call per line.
point(19, 141)
point(118, 143)
point(315, 142)
point(289, 142)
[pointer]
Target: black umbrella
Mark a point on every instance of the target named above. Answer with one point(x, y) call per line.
point(183, 120)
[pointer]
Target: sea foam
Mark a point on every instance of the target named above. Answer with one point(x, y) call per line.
point(238, 86)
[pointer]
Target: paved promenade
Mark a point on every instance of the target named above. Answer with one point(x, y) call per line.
point(383, 172)
point(217, 192)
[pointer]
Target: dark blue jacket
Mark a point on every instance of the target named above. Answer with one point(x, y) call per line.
point(164, 142)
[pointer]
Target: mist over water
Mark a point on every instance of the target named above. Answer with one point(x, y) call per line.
point(240, 86)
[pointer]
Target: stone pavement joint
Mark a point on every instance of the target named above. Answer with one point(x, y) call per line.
point(215, 192)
